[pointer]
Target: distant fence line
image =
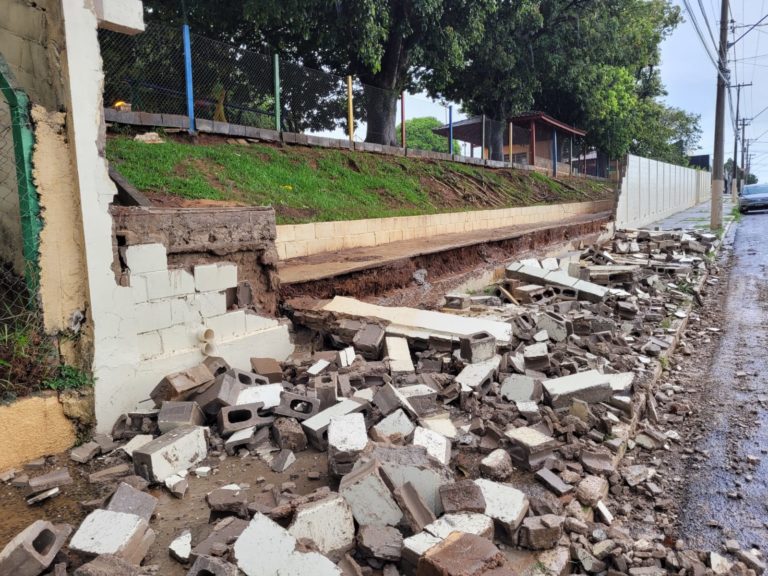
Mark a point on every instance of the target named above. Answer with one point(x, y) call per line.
point(197, 83)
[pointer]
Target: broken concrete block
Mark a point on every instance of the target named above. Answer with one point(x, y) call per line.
point(541, 532)
point(520, 388)
point(289, 435)
point(229, 500)
point(210, 566)
point(459, 555)
point(441, 424)
point(477, 347)
point(54, 479)
point(135, 443)
point(399, 355)
point(380, 542)
point(85, 452)
point(416, 514)
point(269, 368)
point(108, 565)
point(347, 438)
point(173, 452)
point(467, 522)
point(553, 482)
point(414, 548)
point(437, 445)
point(462, 496)
point(529, 410)
point(282, 461)
point(369, 341)
point(221, 537)
point(412, 464)
point(478, 377)
point(179, 385)
point(558, 328)
point(318, 367)
point(591, 490)
point(224, 391)
point(328, 523)
point(325, 387)
point(105, 532)
point(536, 356)
point(240, 438)
point(180, 548)
point(33, 549)
point(505, 504)
point(297, 406)
point(128, 500)
point(109, 474)
point(497, 465)
point(175, 414)
point(316, 427)
point(529, 448)
point(386, 399)
point(268, 394)
point(395, 427)
point(589, 386)
point(368, 493)
point(234, 418)
point(418, 399)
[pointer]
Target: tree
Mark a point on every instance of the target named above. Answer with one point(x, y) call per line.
point(728, 170)
point(664, 133)
point(383, 43)
point(419, 135)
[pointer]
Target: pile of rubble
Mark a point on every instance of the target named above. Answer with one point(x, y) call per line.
point(458, 442)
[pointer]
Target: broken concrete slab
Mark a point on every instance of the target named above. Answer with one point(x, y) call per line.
point(414, 548)
point(316, 427)
point(541, 532)
point(418, 399)
point(436, 445)
point(460, 554)
point(228, 500)
point(328, 523)
point(590, 386)
point(270, 395)
point(108, 565)
point(380, 542)
point(505, 504)
point(173, 452)
point(553, 482)
point(416, 513)
point(175, 414)
point(399, 355)
point(85, 452)
point(180, 548)
point(282, 461)
point(529, 448)
point(269, 368)
point(347, 438)
point(396, 427)
point(54, 479)
point(521, 388)
point(33, 549)
point(131, 501)
point(467, 522)
point(478, 377)
point(462, 496)
point(105, 532)
point(367, 491)
point(210, 566)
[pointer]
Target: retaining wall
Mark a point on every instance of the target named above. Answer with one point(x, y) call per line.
point(652, 190)
point(296, 240)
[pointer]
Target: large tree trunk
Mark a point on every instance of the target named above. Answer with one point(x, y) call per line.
point(495, 139)
point(381, 116)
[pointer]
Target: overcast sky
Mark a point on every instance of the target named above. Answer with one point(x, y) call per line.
point(690, 77)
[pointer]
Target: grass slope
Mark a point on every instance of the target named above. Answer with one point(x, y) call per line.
point(319, 184)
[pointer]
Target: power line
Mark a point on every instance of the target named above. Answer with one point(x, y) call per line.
point(748, 31)
point(706, 21)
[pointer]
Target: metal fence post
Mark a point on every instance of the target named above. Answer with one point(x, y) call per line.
point(482, 145)
point(188, 77)
point(554, 151)
point(450, 129)
point(402, 118)
point(511, 141)
point(276, 68)
point(350, 113)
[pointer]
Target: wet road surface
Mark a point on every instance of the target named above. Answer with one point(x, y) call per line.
point(728, 496)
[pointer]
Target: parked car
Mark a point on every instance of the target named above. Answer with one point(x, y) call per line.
point(753, 197)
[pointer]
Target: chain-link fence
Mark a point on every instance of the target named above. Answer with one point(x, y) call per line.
point(28, 357)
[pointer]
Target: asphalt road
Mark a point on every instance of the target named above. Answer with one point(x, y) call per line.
point(727, 497)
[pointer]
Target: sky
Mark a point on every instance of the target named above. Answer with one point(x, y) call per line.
point(690, 76)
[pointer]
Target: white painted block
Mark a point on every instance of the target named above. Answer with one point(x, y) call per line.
point(347, 433)
point(179, 337)
point(314, 563)
point(505, 504)
point(211, 303)
point(256, 323)
point(185, 310)
point(108, 532)
point(467, 522)
point(263, 547)
point(318, 367)
point(399, 354)
point(181, 281)
point(144, 258)
point(150, 345)
point(437, 445)
point(139, 288)
point(268, 394)
point(135, 443)
point(123, 16)
point(215, 277)
point(173, 452)
point(368, 495)
point(158, 285)
point(396, 423)
point(227, 325)
point(328, 523)
point(417, 545)
point(152, 315)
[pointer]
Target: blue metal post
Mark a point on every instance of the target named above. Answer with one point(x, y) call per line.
point(450, 129)
point(188, 77)
point(554, 151)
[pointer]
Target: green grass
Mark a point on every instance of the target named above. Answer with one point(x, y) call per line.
point(319, 184)
point(736, 214)
point(67, 378)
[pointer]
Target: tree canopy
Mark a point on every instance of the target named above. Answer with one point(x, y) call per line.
point(419, 135)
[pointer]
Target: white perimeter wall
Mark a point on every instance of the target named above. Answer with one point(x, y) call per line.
point(652, 190)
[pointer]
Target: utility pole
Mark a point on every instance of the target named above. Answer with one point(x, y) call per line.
point(743, 146)
point(734, 168)
point(716, 211)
